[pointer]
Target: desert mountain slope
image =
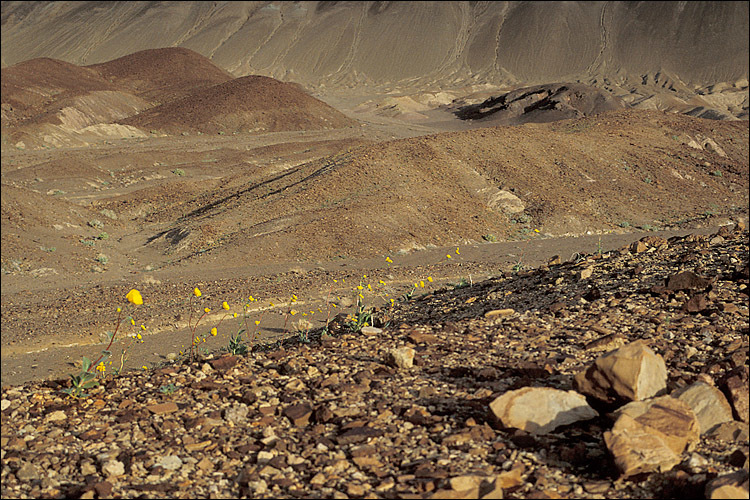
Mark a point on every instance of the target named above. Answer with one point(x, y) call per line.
point(676, 56)
point(312, 42)
point(247, 104)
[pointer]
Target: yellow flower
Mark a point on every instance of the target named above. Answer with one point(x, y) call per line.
point(388, 260)
point(134, 296)
point(225, 306)
point(381, 282)
point(138, 336)
point(144, 367)
point(207, 309)
point(294, 298)
point(257, 322)
point(213, 331)
point(421, 283)
point(359, 287)
point(251, 298)
point(369, 287)
point(132, 321)
point(119, 309)
point(361, 296)
point(271, 304)
point(100, 367)
point(536, 230)
point(429, 278)
point(143, 327)
point(449, 256)
point(197, 292)
point(234, 315)
point(457, 252)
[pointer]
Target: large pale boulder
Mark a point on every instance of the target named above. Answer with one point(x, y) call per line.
point(540, 410)
point(631, 373)
point(651, 435)
point(708, 403)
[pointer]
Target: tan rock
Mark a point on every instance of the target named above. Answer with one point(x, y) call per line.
point(161, 408)
point(731, 432)
point(734, 485)
point(498, 313)
point(632, 372)
point(708, 403)
point(540, 410)
point(402, 357)
point(650, 435)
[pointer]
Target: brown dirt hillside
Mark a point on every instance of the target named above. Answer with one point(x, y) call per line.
point(31, 87)
point(614, 171)
point(160, 75)
point(247, 104)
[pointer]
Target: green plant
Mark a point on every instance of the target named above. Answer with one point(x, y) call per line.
point(462, 283)
point(95, 223)
point(83, 381)
point(518, 266)
point(168, 389)
point(178, 171)
point(717, 173)
point(102, 259)
point(625, 224)
point(102, 236)
point(47, 249)
point(237, 345)
point(58, 192)
point(647, 180)
point(489, 237)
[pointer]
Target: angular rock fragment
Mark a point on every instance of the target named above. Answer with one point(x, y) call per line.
point(631, 373)
point(654, 439)
point(540, 410)
point(402, 357)
point(735, 386)
point(299, 414)
point(708, 403)
point(734, 485)
point(687, 280)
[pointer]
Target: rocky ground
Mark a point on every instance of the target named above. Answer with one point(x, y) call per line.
point(425, 406)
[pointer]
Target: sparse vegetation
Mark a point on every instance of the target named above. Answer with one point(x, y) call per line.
point(489, 237)
point(178, 171)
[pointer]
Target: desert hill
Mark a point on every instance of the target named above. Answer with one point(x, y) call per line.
point(614, 171)
point(669, 56)
point(50, 103)
point(161, 75)
point(248, 104)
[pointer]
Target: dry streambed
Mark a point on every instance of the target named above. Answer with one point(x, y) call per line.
point(621, 375)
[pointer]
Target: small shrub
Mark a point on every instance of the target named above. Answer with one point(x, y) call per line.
point(178, 171)
point(102, 236)
point(647, 180)
point(102, 259)
point(489, 237)
point(625, 224)
point(717, 173)
point(95, 223)
point(109, 214)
